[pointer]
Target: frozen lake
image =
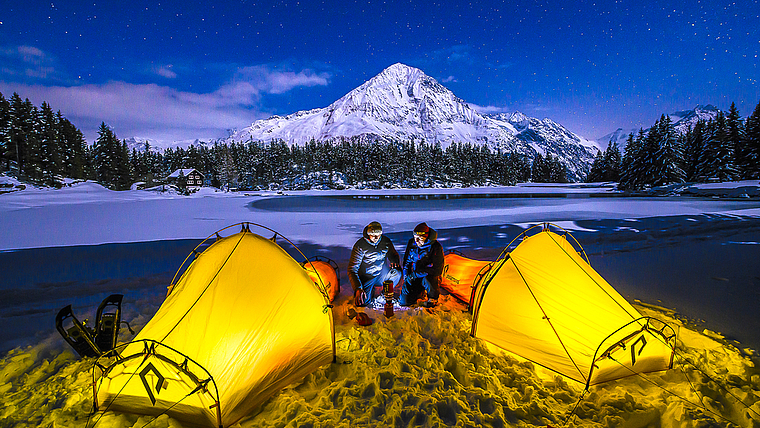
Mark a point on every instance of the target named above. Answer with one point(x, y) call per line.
point(696, 256)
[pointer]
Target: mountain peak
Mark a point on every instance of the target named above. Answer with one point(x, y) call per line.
point(397, 74)
point(708, 107)
point(401, 68)
point(403, 103)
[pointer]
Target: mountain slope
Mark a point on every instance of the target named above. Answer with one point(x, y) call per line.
point(682, 121)
point(403, 103)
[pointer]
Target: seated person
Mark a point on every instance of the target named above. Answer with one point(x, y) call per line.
point(423, 266)
point(373, 261)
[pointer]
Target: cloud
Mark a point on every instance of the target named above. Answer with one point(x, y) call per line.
point(27, 61)
point(145, 109)
point(449, 79)
point(490, 109)
point(165, 113)
point(265, 79)
point(166, 71)
point(31, 55)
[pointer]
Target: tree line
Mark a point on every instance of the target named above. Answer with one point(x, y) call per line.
point(337, 164)
point(42, 147)
point(725, 148)
point(40, 144)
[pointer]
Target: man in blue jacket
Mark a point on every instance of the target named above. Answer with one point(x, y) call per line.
point(373, 261)
point(423, 266)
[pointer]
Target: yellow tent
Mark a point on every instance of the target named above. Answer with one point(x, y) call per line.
point(544, 302)
point(243, 321)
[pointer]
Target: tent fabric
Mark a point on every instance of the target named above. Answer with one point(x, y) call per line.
point(544, 302)
point(243, 321)
point(324, 275)
point(461, 274)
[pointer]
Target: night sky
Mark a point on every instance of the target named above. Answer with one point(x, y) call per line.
point(181, 70)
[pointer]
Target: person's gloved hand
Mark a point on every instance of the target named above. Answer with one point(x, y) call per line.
point(359, 297)
point(408, 269)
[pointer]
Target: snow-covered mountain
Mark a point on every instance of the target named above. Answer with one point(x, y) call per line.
point(619, 136)
point(682, 121)
point(161, 145)
point(548, 137)
point(403, 103)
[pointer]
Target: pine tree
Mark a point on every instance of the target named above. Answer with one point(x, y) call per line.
point(436, 160)
point(557, 171)
point(73, 159)
point(666, 168)
point(5, 126)
point(718, 159)
point(736, 139)
point(182, 182)
point(596, 173)
point(612, 162)
point(50, 147)
point(123, 167)
point(649, 167)
point(632, 174)
point(625, 164)
point(693, 148)
point(752, 145)
point(21, 129)
point(548, 170)
point(107, 154)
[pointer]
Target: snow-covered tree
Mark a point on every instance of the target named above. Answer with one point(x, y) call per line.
point(107, 154)
point(73, 149)
point(668, 154)
point(596, 173)
point(718, 155)
point(5, 126)
point(632, 171)
point(50, 145)
point(612, 162)
point(736, 138)
point(693, 147)
point(751, 160)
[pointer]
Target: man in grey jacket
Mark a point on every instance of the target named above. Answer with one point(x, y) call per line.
point(373, 261)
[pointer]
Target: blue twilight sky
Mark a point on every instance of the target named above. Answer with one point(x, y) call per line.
point(179, 70)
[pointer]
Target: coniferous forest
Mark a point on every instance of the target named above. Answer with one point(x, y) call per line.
point(41, 146)
point(724, 149)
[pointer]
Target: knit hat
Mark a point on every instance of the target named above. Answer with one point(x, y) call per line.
point(422, 229)
point(374, 228)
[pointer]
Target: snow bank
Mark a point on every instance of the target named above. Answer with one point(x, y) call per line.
point(422, 368)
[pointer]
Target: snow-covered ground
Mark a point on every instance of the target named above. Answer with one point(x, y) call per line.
point(694, 256)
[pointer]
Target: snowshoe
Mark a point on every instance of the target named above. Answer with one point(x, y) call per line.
point(79, 336)
point(86, 341)
point(107, 322)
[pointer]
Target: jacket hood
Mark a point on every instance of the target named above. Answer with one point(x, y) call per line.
point(365, 234)
point(432, 236)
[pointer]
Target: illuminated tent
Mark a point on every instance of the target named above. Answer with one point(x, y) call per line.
point(324, 271)
point(545, 303)
point(243, 321)
point(461, 275)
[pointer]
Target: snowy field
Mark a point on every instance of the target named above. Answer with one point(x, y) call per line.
point(689, 260)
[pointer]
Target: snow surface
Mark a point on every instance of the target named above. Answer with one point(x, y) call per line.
point(417, 368)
